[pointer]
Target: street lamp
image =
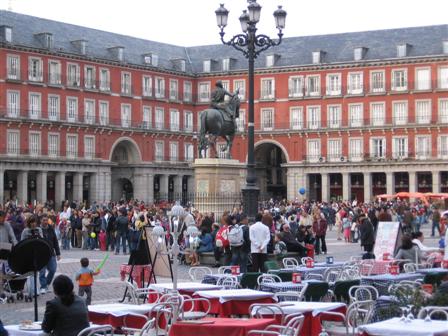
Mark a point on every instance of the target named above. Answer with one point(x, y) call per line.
point(251, 45)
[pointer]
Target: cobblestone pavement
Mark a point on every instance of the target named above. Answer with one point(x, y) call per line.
point(108, 286)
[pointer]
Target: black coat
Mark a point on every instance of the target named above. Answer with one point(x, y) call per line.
point(366, 232)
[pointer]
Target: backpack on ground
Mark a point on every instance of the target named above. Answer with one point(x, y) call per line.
point(236, 236)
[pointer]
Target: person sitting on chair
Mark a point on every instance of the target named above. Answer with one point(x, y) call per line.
point(217, 100)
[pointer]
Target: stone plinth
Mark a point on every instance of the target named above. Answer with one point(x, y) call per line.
point(218, 184)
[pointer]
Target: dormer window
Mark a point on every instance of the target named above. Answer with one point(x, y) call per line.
point(179, 64)
point(151, 59)
point(318, 56)
point(226, 64)
point(46, 39)
point(206, 66)
point(118, 53)
point(271, 60)
point(7, 33)
point(359, 53)
point(403, 50)
point(445, 47)
point(81, 46)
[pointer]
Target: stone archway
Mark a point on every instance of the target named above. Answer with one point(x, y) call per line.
point(271, 175)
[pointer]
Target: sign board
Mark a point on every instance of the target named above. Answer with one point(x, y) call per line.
point(158, 251)
point(387, 237)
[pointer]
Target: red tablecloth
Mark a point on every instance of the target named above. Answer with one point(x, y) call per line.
point(140, 273)
point(234, 307)
point(220, 327)
point(117, 321)
point(311, 324)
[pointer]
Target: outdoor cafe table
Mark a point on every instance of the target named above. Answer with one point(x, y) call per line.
point(187, 288)
point(234, 301)
point(438, 270)
point(115, 313)
point(383, 281)
point(395, 327)
point(286, 286)
point(380, 266)
point(14, 330)
point(319, 268)
point(220, 326)
point(212, 279)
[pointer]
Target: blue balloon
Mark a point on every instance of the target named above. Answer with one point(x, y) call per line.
point(302, 191)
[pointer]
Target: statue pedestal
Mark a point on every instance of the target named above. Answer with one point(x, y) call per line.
point(218, 184)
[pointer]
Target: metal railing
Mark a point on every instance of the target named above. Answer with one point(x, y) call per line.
point(26, 153)
point(375, 157)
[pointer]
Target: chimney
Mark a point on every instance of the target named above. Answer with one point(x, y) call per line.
point(6, 33)
point(81, 46)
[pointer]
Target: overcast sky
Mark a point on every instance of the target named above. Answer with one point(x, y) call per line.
point(193, 22)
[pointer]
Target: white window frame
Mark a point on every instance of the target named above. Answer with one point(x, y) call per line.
point(188, 152)
point(442, 146)
point(296, 117)
point(267, 119)
point(354, 154)
point(159, 86)
point(103, 112)
point(54, 72)
point(104, 79)
point(174, 151)
point(357, 121)
point(75, 111)
point(13, 103)
point(313, 122)
point(89, 111)
point(333, 84)
point(423, 84)
point(188, 91)
point(159, 151)
point(241, 85)
point(89, 153)
point(35, 69)
point(423, 116)
point(73, 79)
point(13, 67)
point(159, 118)
point(425, 153)
point(34, 144)
point(270, 60)
point(126, 120)
point(188, 121)
point(377, 120)
point(90, 77)
point(443, 110)
point(442, 77)
point(71, 148)
point(241, 121)
point(54, 107)
point(126, 83)
point(375, 151)
point(267, 86)
point(207, 66)
point(296, 86)
point(313, 154)
point(402, 83)
point(400, 150)
point(373, 82)
point(146, 117)
point(13, 148)
point(334, 149)
point(355, 86)
point(146, 86)
point(34, 111)
point(204, 92)
point(174, 120)
point(334, 115)
point(53, 148)
point(316, 91)
point(400, 117)
point(226, 64)
point(174, 89)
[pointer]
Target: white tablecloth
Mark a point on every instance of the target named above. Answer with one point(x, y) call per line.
point(234, 294)
point(432, 270)
point(14, 330)
point(118, 309)
point(186, 286)
point(396, 327)
point(292, 307)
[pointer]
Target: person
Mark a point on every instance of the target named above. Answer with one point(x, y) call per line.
point(85, 280)
point(408, 251)
point(292, 245)
point(418, 238)
point(66, 314)
point(110, 218)
point(122, 226)
point(367, 233)
point(259, 236)
point(241, 251)
point(320, 230)
point(31, 228)
point(280, 249)
point(217, 100)
point(7, 237)
point(435, 221)
point(346, 226)
point(49, 235)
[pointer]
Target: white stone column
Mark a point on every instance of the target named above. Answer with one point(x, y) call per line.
point(150, 188)
point(291, 185)
point(2, 185)
point(412, 181)
point(41, 186)
point(325, 187)
point(163, 187)
point(59, 189)
point(94, 188)
point(178, 187)
point(436, 181)
point(390, 183)
point(140, 186)
point(107, 186)
point(22, 186)
point(345, 186)
point(367, 187)
point(78, 187)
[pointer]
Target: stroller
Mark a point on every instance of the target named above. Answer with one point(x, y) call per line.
point(14, 286)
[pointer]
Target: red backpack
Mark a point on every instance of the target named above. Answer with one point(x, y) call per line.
point(221, 239)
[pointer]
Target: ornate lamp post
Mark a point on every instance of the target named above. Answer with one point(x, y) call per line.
point(251, 45)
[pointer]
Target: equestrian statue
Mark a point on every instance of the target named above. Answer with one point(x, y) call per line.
point(219, 121)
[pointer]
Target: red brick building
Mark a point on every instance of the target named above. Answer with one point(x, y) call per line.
point(87, 114)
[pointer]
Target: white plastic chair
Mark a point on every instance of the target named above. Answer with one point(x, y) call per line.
point(363, 293)
point(290, 263)
point(290, 295)
point(304, 259)
point(97, 330)
point(198, 273)
point(433, 310)
point(268, 278)
point(262, 310)
point(195, 309)
point(228, 282)
point(410, 268)
point(313, 276)
point(225, 270)
point(139, 295)
point(292, 327)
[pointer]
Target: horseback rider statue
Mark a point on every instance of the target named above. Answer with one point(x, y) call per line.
point(218, 102)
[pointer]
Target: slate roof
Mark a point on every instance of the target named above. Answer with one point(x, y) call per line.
point(294, 51)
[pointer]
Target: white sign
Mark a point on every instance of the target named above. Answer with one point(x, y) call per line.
point(387, 235)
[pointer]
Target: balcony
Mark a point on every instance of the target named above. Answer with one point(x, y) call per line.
point(35, 76)
point(372, 157)
point(38, 154)
point(126, 91)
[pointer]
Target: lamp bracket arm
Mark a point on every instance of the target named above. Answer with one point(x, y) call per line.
point(238, 42)
point(264, 42)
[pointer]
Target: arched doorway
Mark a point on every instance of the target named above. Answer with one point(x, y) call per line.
point(271, 176)
point(125, 155)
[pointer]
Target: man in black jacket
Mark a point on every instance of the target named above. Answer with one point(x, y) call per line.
point(50, 236)
point(292, 245)
point(122, 227)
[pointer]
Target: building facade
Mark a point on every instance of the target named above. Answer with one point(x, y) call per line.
point(91, 115)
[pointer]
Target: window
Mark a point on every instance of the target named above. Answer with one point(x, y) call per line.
point(443, 111)
point(146, 86)
point(125, 115)
point(187, 92)
point(377, 114)
point(226, 64)
point(151, 59)
point(355, 115)
point(89, 147)
point(54, 69)
point(160, 118)
point(89, 77)
point(358, 53)
point(189, 152)
point(313, 117)
point(267, 88)
point(443, 78)
point(240, 85)
point(400, 112)
point(13, 145)
point(334, 116)
point(206, 66)
point(226, 86)
point(313, 85)
point(334, 150)
point(34, 143)
point(34, 105)
point(378, 147)
point(204, 92)
point(35, 69)
point(313, 150)
point(296, 118)
point(317, 57)
point(72, 146)
point(174, 120)
point(296, 86)
point(399, 80)
point(53, 145)
point(72, 109)
point(104, 80)
point(13, 103)
point(355, 83)
point(400, 147)
point(333, 84)
point(89, 111)
point(104, 113)
point(423, 111)
point(267, 119)
point(73, 75)
point(159, 150)
point(174, 92)
point(270, 60)
point(160, 87)
point(13, 67)
point(377, 81)
point(126, 88)
point(422, 147)
point(423, 79)
point(174, 150)
point(53, 107)
point(241, 121)
point(443, 146)
point(355, 149)
point(147, 117)
point(188, 121)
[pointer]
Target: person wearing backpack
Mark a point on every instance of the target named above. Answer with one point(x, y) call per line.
point(239, 242)
point(222, 242)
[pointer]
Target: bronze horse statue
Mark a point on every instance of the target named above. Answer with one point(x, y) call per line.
point(214, 124)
